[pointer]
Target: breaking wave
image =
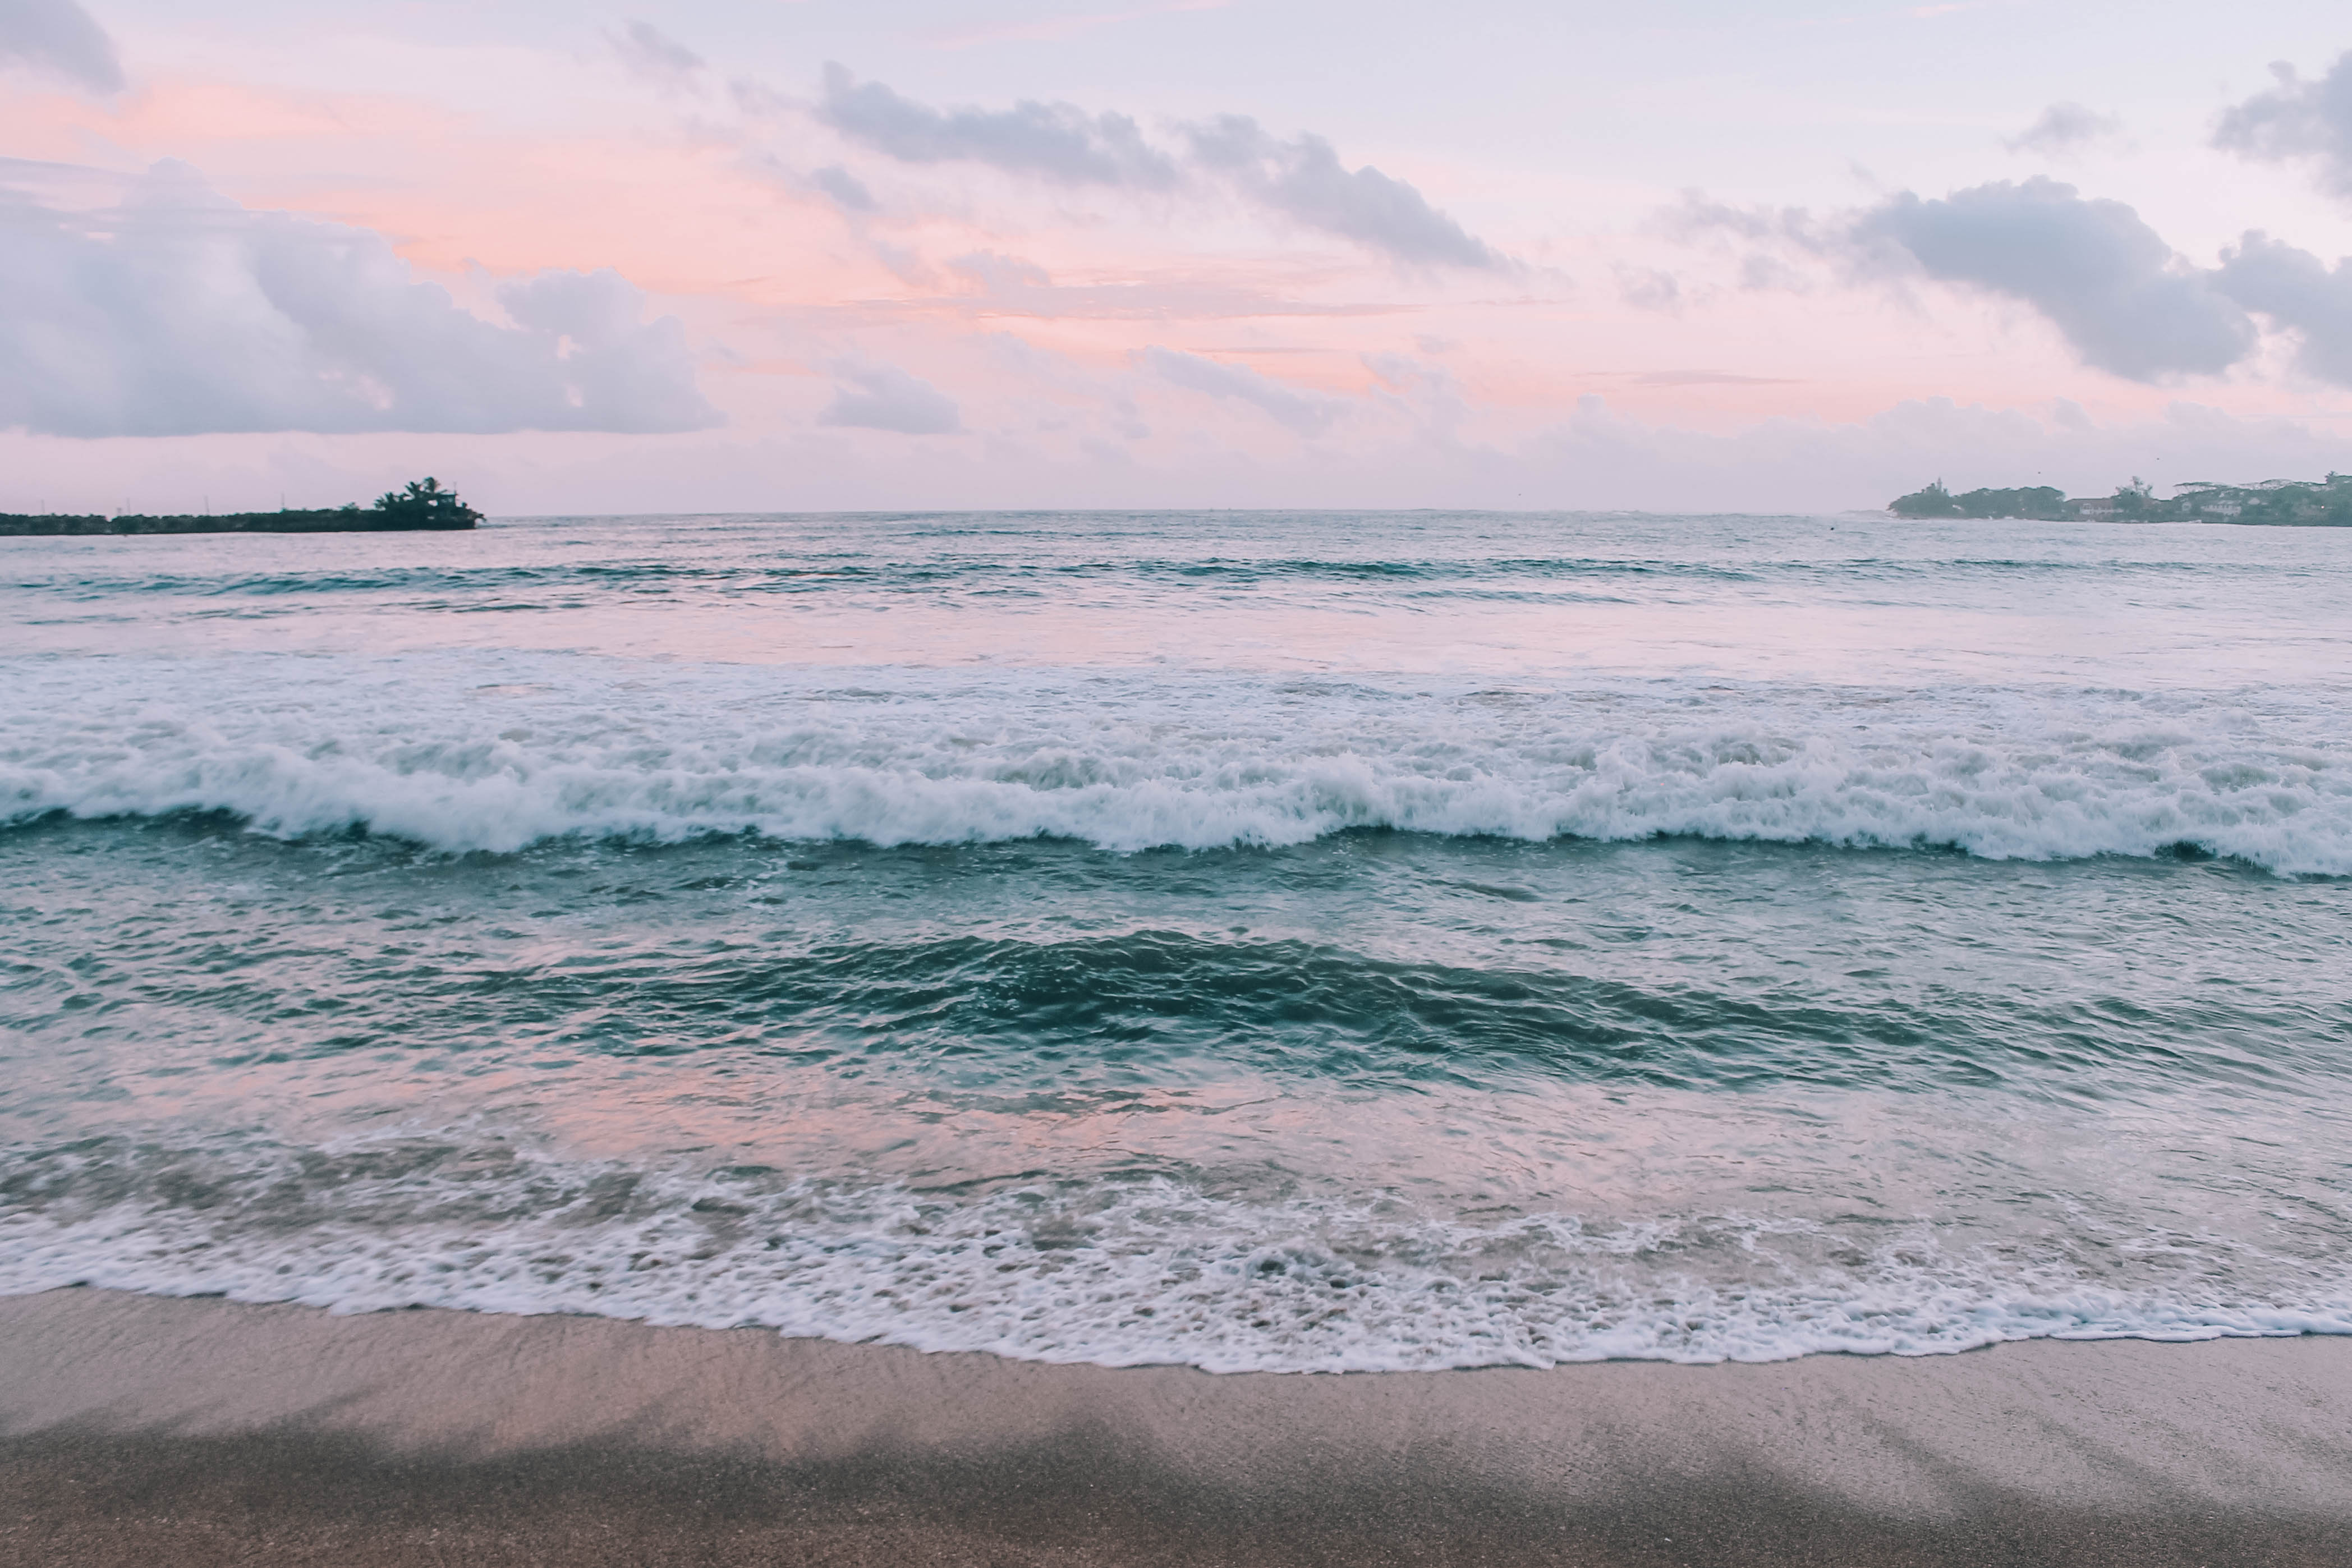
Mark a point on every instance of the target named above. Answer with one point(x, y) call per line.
point(426, 750)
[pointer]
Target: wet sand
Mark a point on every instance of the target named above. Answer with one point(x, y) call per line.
point(137, 1430)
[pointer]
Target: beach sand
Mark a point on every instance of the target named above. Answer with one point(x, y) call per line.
point(140, 1430)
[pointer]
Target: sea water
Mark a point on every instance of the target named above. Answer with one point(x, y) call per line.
point(1298, 941)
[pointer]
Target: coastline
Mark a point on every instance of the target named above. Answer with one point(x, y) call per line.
point(204, 1431)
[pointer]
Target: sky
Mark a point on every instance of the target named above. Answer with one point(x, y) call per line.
point(806, 255)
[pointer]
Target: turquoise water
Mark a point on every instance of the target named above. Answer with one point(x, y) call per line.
point(1294, 941)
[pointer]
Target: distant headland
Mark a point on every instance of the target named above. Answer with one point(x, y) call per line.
point(2295, 503)
point(423, 504)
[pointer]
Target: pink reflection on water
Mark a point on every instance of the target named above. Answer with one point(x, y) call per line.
point(516, 588)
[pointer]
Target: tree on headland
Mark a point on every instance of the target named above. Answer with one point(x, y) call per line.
point(425, 505)
point(2299, 503)
point(1934, 501)
point(2136, 499)
point(2044, 501)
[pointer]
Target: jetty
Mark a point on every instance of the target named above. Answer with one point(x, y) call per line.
point(423, 505)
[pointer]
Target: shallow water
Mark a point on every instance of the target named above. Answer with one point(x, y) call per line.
point(1244, 940)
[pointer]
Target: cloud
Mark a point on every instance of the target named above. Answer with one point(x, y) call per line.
point(2298, 119)
point(884, 397)
point(1771, 230)
point(1650, 288)
point(1306, 412)
point(1304, 180)
point(180, 312)
point(2296, 289)
point(649, 52)
point(1428, 391)
point(1301, 180)
point(1056, 140)
point(2064, 128)
point(60, 36)
point(1699, 214)
point(2121, 296)
point(2106, 279)
point(1000, 275)
point(848, 190)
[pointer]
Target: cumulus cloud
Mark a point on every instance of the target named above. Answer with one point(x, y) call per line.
point(2104, 278)
point(1306, 412)
point(1056, 140)
point(1301, 179)
point(2123, 298)
point(2298, 119)
point(2064, 128)
point(59, 38)
point(179, 312)
point(649, 52)
point(1304, 180)
point(2297, 290)
point(884, 397)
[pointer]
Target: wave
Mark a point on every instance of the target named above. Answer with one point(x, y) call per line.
point(819, 573)
point(1069, 1023)
point(427, 750)
point(1153, 1268)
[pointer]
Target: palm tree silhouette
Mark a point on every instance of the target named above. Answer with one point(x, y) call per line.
point(425, 505)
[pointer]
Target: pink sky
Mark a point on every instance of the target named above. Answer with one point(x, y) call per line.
point(790, 256)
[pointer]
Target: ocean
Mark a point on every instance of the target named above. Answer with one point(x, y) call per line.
point(1301, 941)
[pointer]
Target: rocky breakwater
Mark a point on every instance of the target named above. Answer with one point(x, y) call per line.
point(423, 505)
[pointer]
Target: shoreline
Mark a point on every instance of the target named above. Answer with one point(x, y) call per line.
point(200, 1430)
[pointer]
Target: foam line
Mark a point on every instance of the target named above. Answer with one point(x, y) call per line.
point(434, 752)
point(1157, 1272)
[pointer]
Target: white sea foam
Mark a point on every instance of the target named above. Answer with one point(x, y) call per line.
point(929, 685)
point(1159, 1272)
point(496, 753)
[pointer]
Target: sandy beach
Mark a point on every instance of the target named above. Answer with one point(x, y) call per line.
point(203, 1431)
